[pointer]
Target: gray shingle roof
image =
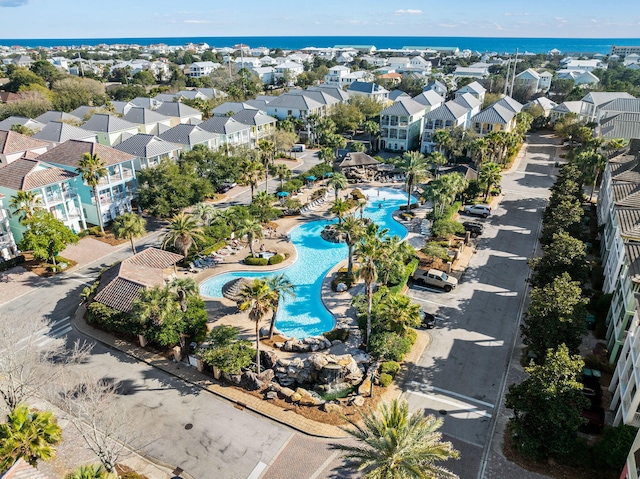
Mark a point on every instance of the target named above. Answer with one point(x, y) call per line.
point(144, 116)
point(626, 194)
point(366, 87)
point(474, 87)
point(223, 125)
point(7, 123)
point(622, 125)
point(82, 111)
point(631, 105)
point(624, 168)
point(395, 94)
point(57, 116)
point(629, 222)
point(451, 110)
point(494, 114)
point(59, 132)
point(144, 102)
point(231, 106)
point(295, 102)
point(429, 98)
point(510, 104)
point(467, 100)
point(632, 252)
point(333, 90)
point(601, 97)
point(177, 110)
point(253, 118)
point(146, 146)
point(404, 107)
point(184, 134)
point(103, 123)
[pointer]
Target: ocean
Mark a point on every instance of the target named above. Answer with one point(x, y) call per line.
point(480, 44)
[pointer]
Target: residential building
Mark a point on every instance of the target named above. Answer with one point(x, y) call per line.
point(33, 125)
point(501, 116)
point(471, 103)
point(58, 116)
point(202, 69)
point(624, 50)
point(148, 121)
point(110, 130)
point(430, 99)
point(617, 106)
point(231, 132)
point(295, 105)
point(8, 248)
point(15, 145)
point(262, 125)
point(230, 108)
point(288, 72)
point(446, 117)
point(188, 136)
point(57, 132)
point(534, 81)
point(370, 90)
point(591, 103)
point(582, 65)
point(341, 76)
point(179, 113)
point(623, 125)
point(149, 150)
point(563, 109)
point(401, 125)
point(471, 72)
point(146, 102)
point(542, 102)
point(396, 94)
point(56, 187)
point(473, 88)
point(438, 87)
point(115, 191)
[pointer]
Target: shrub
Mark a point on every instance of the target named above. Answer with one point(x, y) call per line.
point(95, 231)
point(5, 265)
point(611, 451)
point(435, 250)
point(385, 380)
point(593, 361)
point(390, 367)
point(341, 334)
point(408, 271)
point(112, 319)
point(253, 261)
point(213, 248)
point(443, 228)
point(390, 346)
point(276, 259)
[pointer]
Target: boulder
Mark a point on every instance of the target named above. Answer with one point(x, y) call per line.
point(286, 393)
point(266, 376)
point(290, 344)
point(307, 398)
point(250, 381)
point(365, 387)
point(278, 345)
point(330, 407)
point(335, 342)
point(271, 395)
point(234, 379)
point(357, 401)
point(268, 359)
point(295, 397)
point(318, 361)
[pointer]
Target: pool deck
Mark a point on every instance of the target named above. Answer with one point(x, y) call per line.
point(223, 311)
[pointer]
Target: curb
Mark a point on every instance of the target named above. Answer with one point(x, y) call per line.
point(80, 325)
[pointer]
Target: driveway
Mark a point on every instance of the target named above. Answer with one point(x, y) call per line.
point(460, 377)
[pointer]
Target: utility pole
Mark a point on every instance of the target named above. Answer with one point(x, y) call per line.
point(506, 80)
point(81, 67)
point(513, 80)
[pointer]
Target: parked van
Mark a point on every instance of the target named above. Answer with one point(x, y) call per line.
point(434, 277)
point(297, 148)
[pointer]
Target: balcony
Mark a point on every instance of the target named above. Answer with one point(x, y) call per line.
point(117, 176)
point(60, 196)
point(6, 238)
point(107, 198)
point(3, 214)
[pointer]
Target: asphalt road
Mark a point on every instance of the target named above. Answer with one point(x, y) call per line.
point(460, 376)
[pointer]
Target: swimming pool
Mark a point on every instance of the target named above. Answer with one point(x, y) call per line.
point(305, 315)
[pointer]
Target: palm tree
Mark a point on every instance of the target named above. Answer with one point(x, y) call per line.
point(253, 172)
point(371, 128)
point(154, 305)
point(90, 471)
point(283, 287)
point(183, 288)
point(591, 164)
point(205, 213)
point(259, 299)
point(129, 226)
point(395, 444)
point(415, 167)
point(490, 175)
point(184, 231)
point(437, 159)
point(479, 149)
point(283, 172)
point(339, 208)
point(267, 152)
point(92, 169)
point(29, 435)
point(253, 229)
point(400, 314)
point(368, 252)
point(326, 155)
point(442, 139)
point(338, 182)
point(25, 203)
point(352, 230)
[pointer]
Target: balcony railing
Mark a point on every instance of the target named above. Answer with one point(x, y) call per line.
point(60, 196)
point(107, 199)
point(115, 177)
point(6, 238)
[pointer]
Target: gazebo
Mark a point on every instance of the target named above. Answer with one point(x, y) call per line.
point(358, 165)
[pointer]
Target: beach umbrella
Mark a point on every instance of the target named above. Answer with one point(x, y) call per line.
point(233, 288)
point(282, 194)
point(311, 178)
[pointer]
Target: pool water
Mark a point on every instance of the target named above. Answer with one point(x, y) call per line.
point(305, 314)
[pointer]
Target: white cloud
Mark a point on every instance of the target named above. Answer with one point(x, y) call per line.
point(13, 3)
point(408, 12)
point(197, 21)
point(448, 25)
point(523, 14)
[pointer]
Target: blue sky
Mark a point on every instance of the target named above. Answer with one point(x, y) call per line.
point(162, 18)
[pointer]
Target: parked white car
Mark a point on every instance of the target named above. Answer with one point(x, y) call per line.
point(478, 210)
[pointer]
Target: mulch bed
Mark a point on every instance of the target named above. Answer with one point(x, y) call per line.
point(41, 269)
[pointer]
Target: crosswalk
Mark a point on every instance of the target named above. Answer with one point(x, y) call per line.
point(53, 331)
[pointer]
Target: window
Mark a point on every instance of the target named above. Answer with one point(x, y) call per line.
point(402, 134)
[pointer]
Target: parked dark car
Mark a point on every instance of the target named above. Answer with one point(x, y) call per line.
point(476, 229)
point(428, 319)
